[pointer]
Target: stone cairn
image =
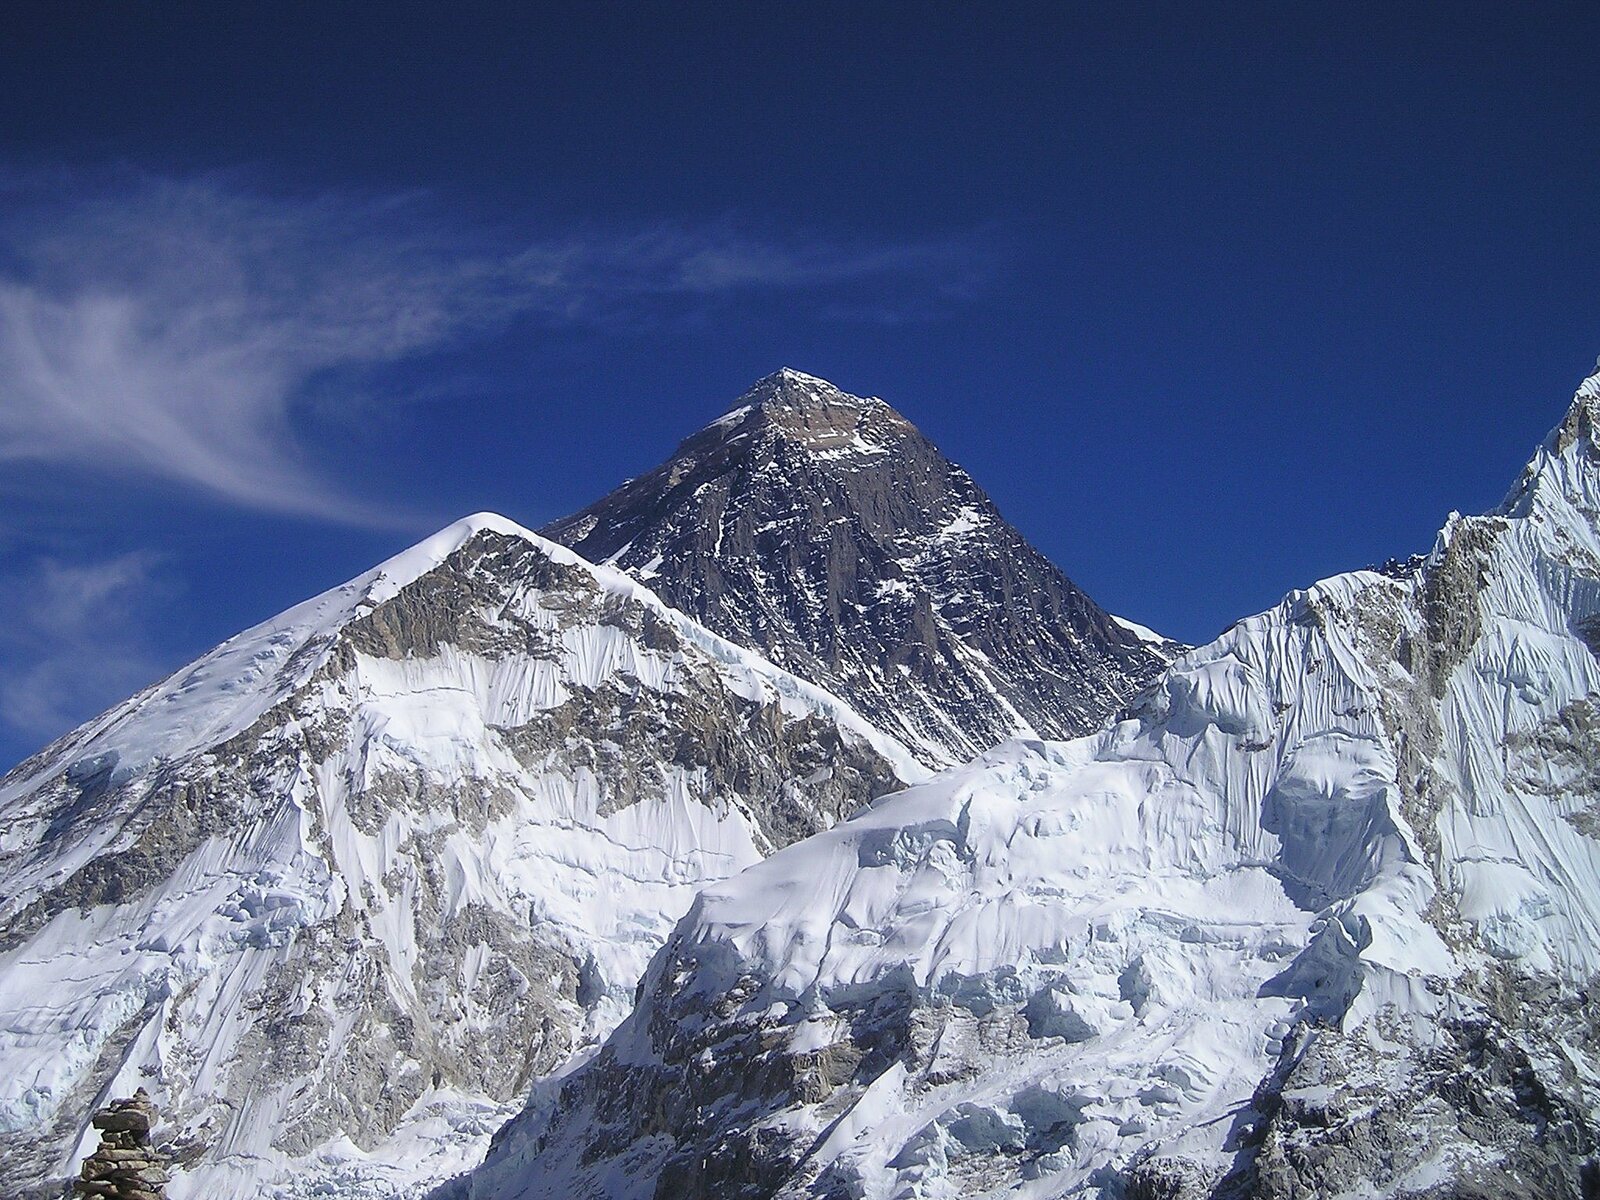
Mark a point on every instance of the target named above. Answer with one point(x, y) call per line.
point(126, 1166)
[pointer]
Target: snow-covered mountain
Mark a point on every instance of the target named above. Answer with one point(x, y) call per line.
point(827, 532)
point(1321, 918)
point(337, 892)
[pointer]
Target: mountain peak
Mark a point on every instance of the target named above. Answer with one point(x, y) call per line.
point(787, 387)
point(484, 768)
point(805, 410)
point(1590, 387)
point(825, 530)
point(1393, 778)
point(789, 377)
point(1562, 479)
point(1583, 414)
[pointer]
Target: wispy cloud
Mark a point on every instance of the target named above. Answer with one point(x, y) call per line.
point(676, 260)
point(173, 328)
point(70, 639)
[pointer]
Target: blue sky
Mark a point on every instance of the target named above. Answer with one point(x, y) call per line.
point(1212, 304)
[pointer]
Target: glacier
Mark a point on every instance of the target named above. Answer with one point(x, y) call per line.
point(1318, 915)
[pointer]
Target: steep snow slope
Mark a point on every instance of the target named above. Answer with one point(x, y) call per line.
point(1322, 918)
point(340, 890)
point(826, 531)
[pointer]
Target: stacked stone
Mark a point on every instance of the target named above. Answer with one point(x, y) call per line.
point(126, 1166)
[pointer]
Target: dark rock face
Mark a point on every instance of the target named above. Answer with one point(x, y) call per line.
point(656, 1102)
point(1495, 1096)
point(825, 531)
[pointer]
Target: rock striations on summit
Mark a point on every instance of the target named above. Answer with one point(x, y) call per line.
point(827, 532)
point(1320, 917)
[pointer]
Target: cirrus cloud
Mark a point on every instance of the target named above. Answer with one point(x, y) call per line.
point(171, 329)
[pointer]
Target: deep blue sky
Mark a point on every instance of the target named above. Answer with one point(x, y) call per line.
point(1213, 305)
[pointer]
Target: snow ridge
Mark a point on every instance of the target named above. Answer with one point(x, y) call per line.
point(340, 890)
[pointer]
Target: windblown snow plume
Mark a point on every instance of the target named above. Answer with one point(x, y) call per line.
point(1321, 917)
point(339, 891)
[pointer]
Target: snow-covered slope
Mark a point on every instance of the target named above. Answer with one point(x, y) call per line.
point(1321, 918)
point(827, 532)
point(340, 890)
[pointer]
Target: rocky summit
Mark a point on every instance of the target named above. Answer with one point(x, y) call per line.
point(824, 530)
